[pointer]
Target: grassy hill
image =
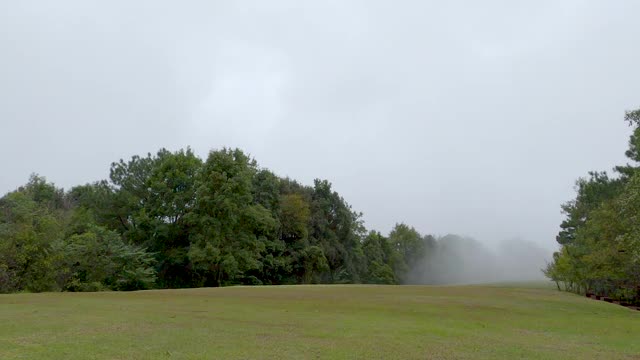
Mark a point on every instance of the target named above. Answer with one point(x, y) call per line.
point(318, 322)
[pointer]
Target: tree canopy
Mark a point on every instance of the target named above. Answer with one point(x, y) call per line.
point(600, 238)
point(171, 220)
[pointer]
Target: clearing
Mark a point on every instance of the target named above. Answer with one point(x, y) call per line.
point(318, 322)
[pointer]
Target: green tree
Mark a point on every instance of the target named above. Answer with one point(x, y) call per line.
point(599, 246)
point(29, 231)
point(382, 258)
point(294, 217)
point(338, 230)
point(151, 200)
point(314, 262)
point(408, 242)
point(231, 229)
point(591, 192)
point(99, 259)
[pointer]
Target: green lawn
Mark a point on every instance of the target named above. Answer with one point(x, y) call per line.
point(318, 322)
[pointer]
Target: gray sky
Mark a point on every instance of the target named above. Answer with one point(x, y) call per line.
point(450, 116)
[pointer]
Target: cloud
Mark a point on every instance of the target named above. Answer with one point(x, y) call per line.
point(453, 117)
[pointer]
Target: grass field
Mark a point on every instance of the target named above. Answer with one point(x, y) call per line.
point(318, 322)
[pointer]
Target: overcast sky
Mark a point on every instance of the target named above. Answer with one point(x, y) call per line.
point(467, 117)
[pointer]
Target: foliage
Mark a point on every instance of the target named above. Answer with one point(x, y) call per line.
point(28, 232)
point(382, 259)
point(600, 250)
point(171, 220)
point(100, 259)
point(48, 244)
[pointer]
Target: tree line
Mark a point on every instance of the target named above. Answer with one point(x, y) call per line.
point(600, 236)
point(173, 220)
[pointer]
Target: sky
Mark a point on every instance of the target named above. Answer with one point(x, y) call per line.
point(464, 117)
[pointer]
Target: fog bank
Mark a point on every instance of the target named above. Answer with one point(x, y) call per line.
point(455, 259)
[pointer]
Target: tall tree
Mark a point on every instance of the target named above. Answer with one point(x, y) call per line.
point(231, 228)
point(382, 258)
point(408, 242)
point(600, 251)
point(30, 231)
point(151, 200)
point(338, 230)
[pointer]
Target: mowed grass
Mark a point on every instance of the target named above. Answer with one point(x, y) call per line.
point(318, 322)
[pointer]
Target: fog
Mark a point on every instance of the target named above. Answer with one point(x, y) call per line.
point(463, 260)
point(460, 116)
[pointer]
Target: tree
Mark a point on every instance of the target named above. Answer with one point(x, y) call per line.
point(171, 220)
point(294, 217)
point(99, 259)
point(382, 258)
point(591, 192)
point(314, 262)
point(338, 230)
point(151, 199)
point(599, 247)
point(408, 242)
point(231, 230)
point(266, 190)
point(29, 231)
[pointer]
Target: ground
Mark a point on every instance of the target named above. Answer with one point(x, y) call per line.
point(318, 322)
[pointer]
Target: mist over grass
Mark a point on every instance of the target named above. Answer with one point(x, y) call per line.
point(456, 259)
